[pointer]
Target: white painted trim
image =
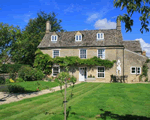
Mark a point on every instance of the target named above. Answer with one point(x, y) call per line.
point(54, 36)
point(135, 70)
point(84, 71)
point(78, 38)
point(58, 71)
point(100, 36)
point(86, 53)
point(135, 53)
point(97, 72)
point(104, 53)
point(53, 52)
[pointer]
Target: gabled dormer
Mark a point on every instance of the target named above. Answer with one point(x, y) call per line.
point(54, 37)
point(78, 36)
point(100, 35)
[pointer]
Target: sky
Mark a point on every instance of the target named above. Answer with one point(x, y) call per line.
point(75, 15)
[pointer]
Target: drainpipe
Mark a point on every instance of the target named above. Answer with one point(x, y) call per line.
point(123, 63)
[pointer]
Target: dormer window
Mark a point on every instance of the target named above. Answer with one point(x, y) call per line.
point(78, 38)
point(54, 38)
point(100, 36)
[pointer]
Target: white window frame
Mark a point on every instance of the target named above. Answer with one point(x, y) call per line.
point(53, 53)
point(53, 71)
point(78, 37)
point(101, 38)
point(100, 72)
point(136, 70)
point(79, 53)
point(54, 37)
point(102, 53)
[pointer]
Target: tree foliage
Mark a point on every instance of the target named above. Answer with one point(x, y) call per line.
point(132, 6)
point(25, 47)
point(8, 37)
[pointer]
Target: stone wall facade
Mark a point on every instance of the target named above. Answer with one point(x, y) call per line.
point(127, 58)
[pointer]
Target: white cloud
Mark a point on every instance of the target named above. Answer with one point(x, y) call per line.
point(92, 17)
point(104, 24)
point(69, 9)
point(73, 8)
point(145, 46)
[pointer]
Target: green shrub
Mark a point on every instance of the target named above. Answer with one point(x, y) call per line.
point(12, 75)
point(73, 79)
point(30, 74)
point(15, 89)
point(19, 80)
point(2, 80)
point(11, 68)
point(7, 81)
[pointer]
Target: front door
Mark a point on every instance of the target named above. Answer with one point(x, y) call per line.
point(82, 73)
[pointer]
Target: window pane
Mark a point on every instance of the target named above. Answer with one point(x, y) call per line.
point(55, 70)
point(56, 53)
point(100, 69)
point(76, 37)
point(55, 37)
point(82, 53)
point(100, 74)
point(101, 53)
point(133, 70)
point(98, 36)
point(138, 70)
point(101, 35)
point(79, 37)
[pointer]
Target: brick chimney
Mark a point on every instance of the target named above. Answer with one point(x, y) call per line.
point(118, 25)
point(144, 53)
point(48, 27)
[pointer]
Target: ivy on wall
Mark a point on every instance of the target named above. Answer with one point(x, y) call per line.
point(44, 62)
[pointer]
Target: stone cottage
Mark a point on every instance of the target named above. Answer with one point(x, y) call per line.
point(105, 44)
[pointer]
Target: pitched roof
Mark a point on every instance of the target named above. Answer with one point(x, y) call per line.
point(133, 45)
point(67, 39)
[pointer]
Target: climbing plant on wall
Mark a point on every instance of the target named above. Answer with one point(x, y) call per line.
point(44, 61)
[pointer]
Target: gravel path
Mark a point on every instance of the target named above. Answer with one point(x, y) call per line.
point(12, 97)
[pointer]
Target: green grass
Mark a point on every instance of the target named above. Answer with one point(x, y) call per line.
point(112, 101)
point(33, 85)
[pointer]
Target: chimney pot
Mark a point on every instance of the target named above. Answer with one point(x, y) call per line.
point(48, 27)
point(118, 25)
point(144, 53)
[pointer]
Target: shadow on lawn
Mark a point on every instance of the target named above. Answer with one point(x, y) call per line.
point(13, 91)
point(120, 117)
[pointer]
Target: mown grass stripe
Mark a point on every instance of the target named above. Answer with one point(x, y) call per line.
point(71, 102)
point(44, 105)
point(34, 99)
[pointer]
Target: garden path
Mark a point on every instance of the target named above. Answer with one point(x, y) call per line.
point(13, 97)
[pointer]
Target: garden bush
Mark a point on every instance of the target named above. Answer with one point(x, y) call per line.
point(2, 80)
point(15, 89)
point(7, 81)
point(30, 74)
point(19, 80)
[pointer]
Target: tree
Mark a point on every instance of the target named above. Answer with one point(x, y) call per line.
point(25, 47)
point(8, 37)
point(140, 6)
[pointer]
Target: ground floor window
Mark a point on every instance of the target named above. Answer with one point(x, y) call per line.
point(101, 72)
point(55, 71)
point(135, 70)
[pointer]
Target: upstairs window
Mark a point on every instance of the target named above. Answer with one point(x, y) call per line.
point(135, 70)
point(100, 36)
point(55, 53)
point(78, 38)
point(54, 38)
point(101, 53)
point(82, 53)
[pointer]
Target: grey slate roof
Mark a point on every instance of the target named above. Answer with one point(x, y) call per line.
point(112, 37)
point(67, 39)
point(132, 45)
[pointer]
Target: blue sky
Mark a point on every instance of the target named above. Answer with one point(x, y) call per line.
point(75, 15)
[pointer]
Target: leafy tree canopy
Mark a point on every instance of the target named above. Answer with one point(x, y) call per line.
point(132, 6)
point(25, 47)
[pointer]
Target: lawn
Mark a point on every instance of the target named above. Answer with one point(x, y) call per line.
point(31, 86)
point(112, 101)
